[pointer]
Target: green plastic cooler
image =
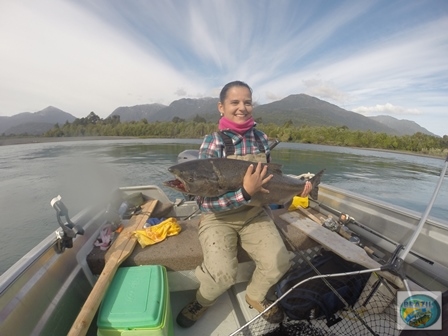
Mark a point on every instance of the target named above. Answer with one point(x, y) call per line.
point(137, 303)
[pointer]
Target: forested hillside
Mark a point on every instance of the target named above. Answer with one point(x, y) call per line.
point(198, 127)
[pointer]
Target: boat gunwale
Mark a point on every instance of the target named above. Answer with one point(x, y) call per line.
point(18, 268)
point(434, 221)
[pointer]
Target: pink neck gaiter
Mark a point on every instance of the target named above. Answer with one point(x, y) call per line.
point(226, 124)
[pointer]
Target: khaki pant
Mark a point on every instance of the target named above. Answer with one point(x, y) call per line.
point(219, 234)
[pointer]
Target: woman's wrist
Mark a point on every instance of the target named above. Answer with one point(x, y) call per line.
point(246, 195)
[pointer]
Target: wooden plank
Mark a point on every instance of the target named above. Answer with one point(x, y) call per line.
point(121, 248)
point(310, 215)
point(339, 245)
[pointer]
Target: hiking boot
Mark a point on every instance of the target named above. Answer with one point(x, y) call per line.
point(273, 315)
point(190, 314)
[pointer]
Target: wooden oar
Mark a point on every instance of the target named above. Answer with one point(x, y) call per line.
point(118, 252)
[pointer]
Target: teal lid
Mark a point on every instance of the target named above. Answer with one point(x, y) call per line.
point(135, 299)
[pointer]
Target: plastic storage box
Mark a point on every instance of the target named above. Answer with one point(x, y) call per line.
point(137, 303)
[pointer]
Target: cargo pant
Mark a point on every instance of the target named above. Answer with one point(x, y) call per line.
point(258, 236)
point(219, 235)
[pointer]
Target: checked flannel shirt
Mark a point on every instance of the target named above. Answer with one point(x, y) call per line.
point(213, 146)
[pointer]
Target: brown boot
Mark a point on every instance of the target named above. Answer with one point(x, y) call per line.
point(273, 315)
point(190, 314)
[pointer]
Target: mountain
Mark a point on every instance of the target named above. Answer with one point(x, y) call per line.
point(137, 112)
point(37, 120)
point(187, 108)
point(30, 128)
point(403, 126)
point(302, 109)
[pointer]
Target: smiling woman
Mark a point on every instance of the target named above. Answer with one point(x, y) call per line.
point(236, 214)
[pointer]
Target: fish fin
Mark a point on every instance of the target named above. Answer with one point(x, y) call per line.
point(315, 181)
point(275, 168)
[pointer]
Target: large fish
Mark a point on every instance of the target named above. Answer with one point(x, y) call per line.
point(217, 176)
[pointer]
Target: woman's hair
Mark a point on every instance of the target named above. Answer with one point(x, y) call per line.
point(223, 94)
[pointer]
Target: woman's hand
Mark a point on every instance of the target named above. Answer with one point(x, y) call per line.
point(255, 178)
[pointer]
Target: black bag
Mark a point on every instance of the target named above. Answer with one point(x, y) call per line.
point(314, 298)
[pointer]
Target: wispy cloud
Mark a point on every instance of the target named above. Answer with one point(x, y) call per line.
point(388, 109)
point(367, 56)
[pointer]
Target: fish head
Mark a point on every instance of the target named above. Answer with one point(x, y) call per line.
point(195, 177)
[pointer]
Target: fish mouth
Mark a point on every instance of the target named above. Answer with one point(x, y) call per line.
point(176, 184)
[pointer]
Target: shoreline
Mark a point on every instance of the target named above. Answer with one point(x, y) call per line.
point(30, 140)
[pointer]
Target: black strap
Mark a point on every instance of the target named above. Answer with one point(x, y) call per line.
point(228, 144)
point(230, 147)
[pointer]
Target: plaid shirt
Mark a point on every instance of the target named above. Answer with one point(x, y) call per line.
point(213, 146)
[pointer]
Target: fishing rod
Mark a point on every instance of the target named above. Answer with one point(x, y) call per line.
point(347, 219)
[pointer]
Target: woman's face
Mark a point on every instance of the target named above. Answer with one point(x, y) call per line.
point(237, 106)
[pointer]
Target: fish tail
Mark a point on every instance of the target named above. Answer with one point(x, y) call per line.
point(315, 181)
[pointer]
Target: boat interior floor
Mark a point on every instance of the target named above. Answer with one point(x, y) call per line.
point(223, 318)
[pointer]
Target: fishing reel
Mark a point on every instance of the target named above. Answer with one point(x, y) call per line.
point(338, 226)
point(69, 229)
point(331, 224)
point(345, 219)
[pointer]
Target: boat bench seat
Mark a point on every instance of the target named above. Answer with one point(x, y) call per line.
point(183, 251)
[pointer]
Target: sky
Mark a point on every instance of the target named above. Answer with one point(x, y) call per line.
point(374, 57)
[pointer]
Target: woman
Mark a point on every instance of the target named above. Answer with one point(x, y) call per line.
point(227, 218)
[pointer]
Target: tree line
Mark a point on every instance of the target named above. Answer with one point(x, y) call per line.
point(198, 127)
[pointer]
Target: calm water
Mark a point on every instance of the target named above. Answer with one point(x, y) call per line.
point(81, 172)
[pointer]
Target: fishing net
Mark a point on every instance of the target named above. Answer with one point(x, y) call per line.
point(373, 313)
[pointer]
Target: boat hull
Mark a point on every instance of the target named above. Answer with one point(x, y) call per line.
point(43, 293)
